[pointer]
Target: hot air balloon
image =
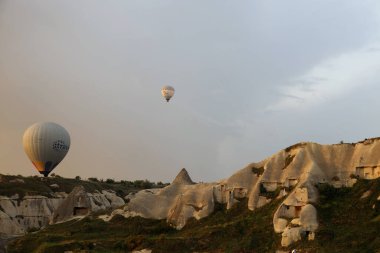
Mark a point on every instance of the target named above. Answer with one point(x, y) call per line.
point(167, 92)
point(46, 144)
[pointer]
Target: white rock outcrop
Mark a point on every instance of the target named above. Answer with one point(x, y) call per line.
point(291, 235)
point(291, 174)
point(176, 203)
point(308, 218)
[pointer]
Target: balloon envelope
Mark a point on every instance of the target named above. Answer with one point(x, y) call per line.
point(167, 92)
point(46, 144)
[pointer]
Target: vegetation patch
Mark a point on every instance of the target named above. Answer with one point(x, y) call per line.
point(258, 171)
point(36, 185)
point(234, 230)
point(347, 222)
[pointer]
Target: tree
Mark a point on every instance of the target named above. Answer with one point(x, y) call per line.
point(110, 181)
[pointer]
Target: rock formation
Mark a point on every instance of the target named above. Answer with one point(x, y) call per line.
point(177, 202)
point(291, 174)
point(81, 203)
point(183, 178)
point(20, 215)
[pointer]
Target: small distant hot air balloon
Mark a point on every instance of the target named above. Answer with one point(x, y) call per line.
point(46, 144)
point(167, 92)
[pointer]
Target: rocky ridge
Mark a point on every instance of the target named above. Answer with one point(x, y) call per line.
point(292, 175)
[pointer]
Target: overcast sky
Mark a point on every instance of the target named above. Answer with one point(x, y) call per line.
point(251, 78)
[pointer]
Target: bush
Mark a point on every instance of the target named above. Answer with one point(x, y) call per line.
point(55, 175)
point(258, 171)
point(143, 184)
point(110, 181)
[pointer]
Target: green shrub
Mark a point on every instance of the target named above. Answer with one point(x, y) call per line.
point(110, 181)
point(258, 171)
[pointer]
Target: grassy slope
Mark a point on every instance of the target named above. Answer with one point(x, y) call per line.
point(234, 230)
point(347, 224)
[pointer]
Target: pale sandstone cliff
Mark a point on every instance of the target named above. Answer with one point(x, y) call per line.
point(291, 174)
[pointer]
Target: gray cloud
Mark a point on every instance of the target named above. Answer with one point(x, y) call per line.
point(331, 78)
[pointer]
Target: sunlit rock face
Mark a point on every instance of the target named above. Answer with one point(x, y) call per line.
point(292, 175)
point(176, 203)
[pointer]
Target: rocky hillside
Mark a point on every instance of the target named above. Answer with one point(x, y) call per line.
point(292, 174)
point(349, 221)
point(284, 196)
point(30, 203)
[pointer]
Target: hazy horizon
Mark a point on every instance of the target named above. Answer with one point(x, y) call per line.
point(251, 78)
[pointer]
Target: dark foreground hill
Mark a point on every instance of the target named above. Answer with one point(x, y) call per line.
point(349, 221)
point(35, 185)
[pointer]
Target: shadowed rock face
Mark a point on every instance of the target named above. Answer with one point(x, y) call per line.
point(18, 215)
point(76, 203)
point(80, 203)
point(183, 178)
point(291, 174)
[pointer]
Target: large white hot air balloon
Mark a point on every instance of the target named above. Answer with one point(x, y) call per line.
point(46, 144)
point(167, 92)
